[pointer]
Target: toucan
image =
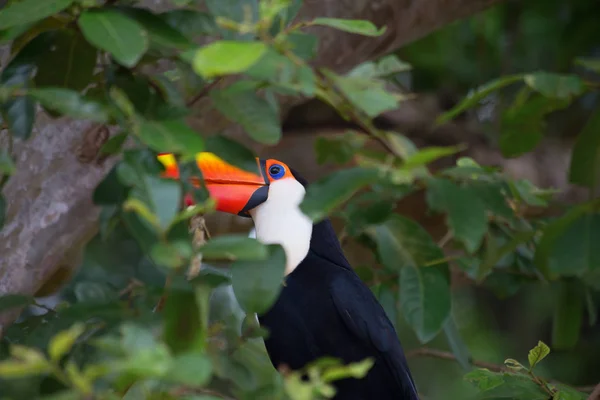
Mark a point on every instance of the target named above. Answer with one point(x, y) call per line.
point(324, 309)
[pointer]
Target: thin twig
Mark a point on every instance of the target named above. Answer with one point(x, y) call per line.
point(203, 92)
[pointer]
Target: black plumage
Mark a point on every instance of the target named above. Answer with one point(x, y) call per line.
point(324, 309)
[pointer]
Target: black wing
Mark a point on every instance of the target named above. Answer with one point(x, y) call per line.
point(366, 318)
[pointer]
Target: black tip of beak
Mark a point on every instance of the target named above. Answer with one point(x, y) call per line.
point(259, 196)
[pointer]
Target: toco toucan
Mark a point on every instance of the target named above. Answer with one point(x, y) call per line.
point(324, 309)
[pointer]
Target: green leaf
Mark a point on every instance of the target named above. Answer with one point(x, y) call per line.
point(226, 57)
point(361, 27)
point(357, 370)
point(115, 33)
point(555, 85)
point(69, 62)
point(27, 11)
point(234, 247)
point(427, 155)
point(491, 258)
point(366, 94)
point(554, 230)
point(159, 31)
point(257, 283)
point(513, 364)
point(258, 118)
point(537, 354)
point(170, 136)
point(165, 196)
point(191, 23)
point(404, 245)
point(232, 152)
point(341, 149)
point(568, 314)
point(593, 64)
point(323, 196)
point(585, 158)
point(466, 211)
point(63, 341)
point(71, 103)
point(476, 96)
point(10, 301)
point(183, 330)
point(498, 385)
point(190, 369)
point(574, 252)
point(457, 344)
point(386, 66)
point(7, 166)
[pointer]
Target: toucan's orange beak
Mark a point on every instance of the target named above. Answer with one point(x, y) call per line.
point(235, 191)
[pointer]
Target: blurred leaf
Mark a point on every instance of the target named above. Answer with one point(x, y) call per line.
point(232, 152)
point(165, 196)
point(554, 230)
point(170, 136)
point(114, 144)
point(457, 344)
point(466, 212)
point(257, 283)
point(537, 354)
point(367, 95)
point(357, 370)
point(326, 194)
point(159, 31)
point(339, 149)
point(496, 385)
point(190, 23)
point(404, 245)
point(16, 369)
point(258, 118)
point(388, 65)
point(360, 27)
point(585, 158)
point(574, 252)
point(27, 11)
point(476, 96)
point(234, 247)
point(568, 315)
point(593, 64)
point(429, 154)
point(93, 292)
point(62, 342)
point(513, 364)
point(3, 206)
point(69, 62)
point(226, 57)
point(183, 330)
point(555, 85)
point(10, 301)
point(278, 69)
point(114, 32)
point(71, 103)
point(491, 258)
point(190, 369)
point(7, 166)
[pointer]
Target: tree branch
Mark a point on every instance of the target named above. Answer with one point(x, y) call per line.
point(50, 210)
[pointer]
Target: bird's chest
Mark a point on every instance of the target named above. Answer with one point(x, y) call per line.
point(302, 323)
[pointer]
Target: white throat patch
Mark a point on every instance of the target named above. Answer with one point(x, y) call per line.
point(279, 221)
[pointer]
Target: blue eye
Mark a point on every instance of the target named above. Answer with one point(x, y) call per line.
point(276, 171)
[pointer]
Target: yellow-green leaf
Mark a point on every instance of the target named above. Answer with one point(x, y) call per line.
point(62, 342)
point(361, 27)
point(227, 57)
point(538, 353)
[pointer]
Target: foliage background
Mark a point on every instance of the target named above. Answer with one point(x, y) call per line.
point(502, 315)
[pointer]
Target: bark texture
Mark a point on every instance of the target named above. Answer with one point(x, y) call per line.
point(50, 209)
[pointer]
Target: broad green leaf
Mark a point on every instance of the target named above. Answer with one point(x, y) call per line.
point(190, 23)
point(328, 193)
point(170, 136)
point(357, 370)
point(258, 118)
point(404, 245)
point(165, 196)
point(227, 57)
point(568, 314)
point(466, 213)
point(585, 158)
point(565, 392)
point(554, 230)
point(70, 103)
point(7, 166)
point(27, 11)
point(257, 283)
point(386, 66)
point(574, 251)
point(537, 354)
point(116, 33)
point(368, 95)
point(171, 255)
point(555, 85)
point(232, 152)
point(190, 369)
point(183, 330)
point(234, 247)
point(10, 301)
point(159, 31)
point(69, 62)
point(362, 27)
point(16, 369)
point(491, 258)
point(503, 385)
point(63, 341)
